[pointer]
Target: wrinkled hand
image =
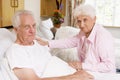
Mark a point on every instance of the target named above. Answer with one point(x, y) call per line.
point(41, 41)
point(82, 75)
point(76, 65)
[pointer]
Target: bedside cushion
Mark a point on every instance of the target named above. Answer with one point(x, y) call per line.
point(43, 30)
point(6, 39)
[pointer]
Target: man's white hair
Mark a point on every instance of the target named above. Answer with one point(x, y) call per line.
point(16, 18)
point(84, 10)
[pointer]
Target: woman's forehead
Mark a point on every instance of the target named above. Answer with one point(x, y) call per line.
point(83, 16)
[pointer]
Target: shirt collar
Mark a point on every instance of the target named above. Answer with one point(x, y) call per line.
point(82, 35)
point(91, 37)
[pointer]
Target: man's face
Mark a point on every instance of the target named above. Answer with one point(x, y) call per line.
point(86, 23)
point(27, 29)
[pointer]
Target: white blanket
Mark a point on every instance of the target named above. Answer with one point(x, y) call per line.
point(57, 67)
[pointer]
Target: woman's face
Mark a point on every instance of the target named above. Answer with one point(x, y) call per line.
point(86, 23)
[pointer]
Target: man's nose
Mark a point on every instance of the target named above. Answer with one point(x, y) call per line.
point(32, 29)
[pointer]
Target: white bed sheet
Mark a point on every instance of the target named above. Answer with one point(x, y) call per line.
point(57, 67)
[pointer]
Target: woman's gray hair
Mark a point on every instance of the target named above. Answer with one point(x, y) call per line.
point(84, 10)
point(16, 18)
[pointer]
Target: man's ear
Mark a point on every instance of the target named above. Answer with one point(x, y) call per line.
point(15, 29)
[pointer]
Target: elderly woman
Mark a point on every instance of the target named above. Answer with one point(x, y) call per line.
point(94, 43)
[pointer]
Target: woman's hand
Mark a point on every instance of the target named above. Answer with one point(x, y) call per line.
point(76, 65)
point(41, 41)
point(82, 75)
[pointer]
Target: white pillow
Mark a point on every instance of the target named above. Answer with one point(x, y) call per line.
point(43, 30)
point(117, 53)
point(6, 39)
point(66, 54)
point(65, 32)
point(48, 23)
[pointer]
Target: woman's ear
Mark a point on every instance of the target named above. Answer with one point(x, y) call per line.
point(95, 18)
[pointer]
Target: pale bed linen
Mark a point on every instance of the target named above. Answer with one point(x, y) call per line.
point(57, 67)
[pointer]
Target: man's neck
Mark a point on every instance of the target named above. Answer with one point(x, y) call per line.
point(25, 43)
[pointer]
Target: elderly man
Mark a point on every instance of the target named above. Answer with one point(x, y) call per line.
point(26, 57)
point(94, 43)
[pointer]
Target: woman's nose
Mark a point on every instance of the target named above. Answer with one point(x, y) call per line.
point(82, 24)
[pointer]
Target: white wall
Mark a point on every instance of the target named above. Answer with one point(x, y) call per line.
point(34, 6)
point(115, 31)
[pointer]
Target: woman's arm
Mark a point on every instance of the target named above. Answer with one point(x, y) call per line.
point(64, 43)
point(61, 43)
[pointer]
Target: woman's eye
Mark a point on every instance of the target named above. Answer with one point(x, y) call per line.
point(79, 21)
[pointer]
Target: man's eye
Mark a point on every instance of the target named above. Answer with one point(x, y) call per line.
point(26, 27)
point(34, 26)
point(85, 19)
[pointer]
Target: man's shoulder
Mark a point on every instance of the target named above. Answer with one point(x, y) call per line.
point(12, 47)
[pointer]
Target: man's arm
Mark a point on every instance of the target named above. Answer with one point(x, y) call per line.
point(29, 74)
point(25, 74)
